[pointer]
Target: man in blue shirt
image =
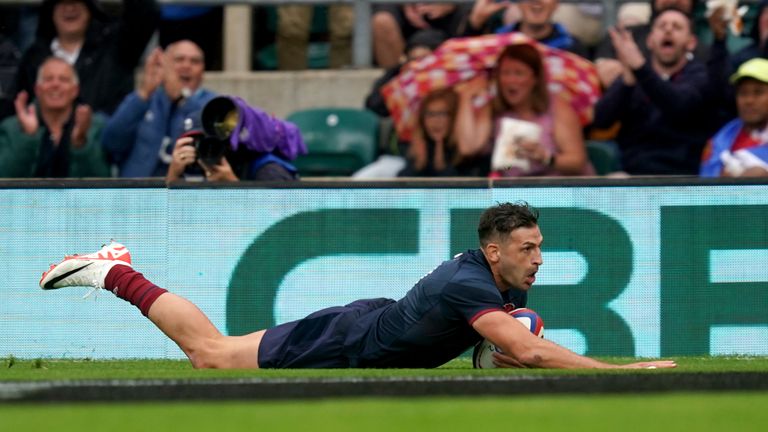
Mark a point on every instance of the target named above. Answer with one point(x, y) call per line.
point(140, 136)
point(449, 310)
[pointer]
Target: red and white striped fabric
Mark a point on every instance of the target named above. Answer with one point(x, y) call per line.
point(459, 59)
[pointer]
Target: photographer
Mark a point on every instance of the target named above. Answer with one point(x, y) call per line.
point(140, 135)
point(231, 141)
point(185, 155)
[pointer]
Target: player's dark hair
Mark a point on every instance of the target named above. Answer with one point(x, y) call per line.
point(503, 218)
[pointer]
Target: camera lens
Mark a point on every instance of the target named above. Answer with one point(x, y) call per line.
point(210, 149)
point(219, 117)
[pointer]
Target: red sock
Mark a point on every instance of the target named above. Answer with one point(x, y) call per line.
point(133, 287)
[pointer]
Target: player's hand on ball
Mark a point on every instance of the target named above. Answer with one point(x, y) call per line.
point(658, 364)
point(502, 360)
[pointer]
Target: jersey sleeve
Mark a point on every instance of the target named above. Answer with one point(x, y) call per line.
point(516, 298)
point(472, 301)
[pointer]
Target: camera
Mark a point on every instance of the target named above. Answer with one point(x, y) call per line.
point(228, 126)
point(208, 149)
point(249, 129)
point(219, 118)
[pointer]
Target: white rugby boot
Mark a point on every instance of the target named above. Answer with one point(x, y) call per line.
point(86, 270)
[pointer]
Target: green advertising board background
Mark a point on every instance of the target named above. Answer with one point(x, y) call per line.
point(638, 271)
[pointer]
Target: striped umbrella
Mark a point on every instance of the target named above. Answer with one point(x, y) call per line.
point(570, 76)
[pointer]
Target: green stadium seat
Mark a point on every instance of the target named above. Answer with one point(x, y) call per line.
point(604, 156)
point(339, 140)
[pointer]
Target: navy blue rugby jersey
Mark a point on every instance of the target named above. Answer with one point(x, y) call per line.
point(432, 324)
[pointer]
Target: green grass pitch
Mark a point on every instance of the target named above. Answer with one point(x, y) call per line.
point(711, 411)
point(12, 369)
point(666, 412)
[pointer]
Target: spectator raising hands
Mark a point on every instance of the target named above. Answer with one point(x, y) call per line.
point(392, 25)
point(533, 18)
point(665, 102)
point(26, 113)
point(54, 137)
point(153, 74)
point(140, 135)
point(433, 151)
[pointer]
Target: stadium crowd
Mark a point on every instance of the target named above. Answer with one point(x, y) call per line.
point(681, 89)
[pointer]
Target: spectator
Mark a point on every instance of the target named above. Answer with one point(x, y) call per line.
point(234, 141)
point(420, 44)
point(392, 25)
point(740, 148)
point(139, 137)
point(487, 16)
point(394, 161)
point(232, 167)
point(388, 165)
point(609, 67)
point(664, 104)
point(758, 38)
point(432, 151)
point(294, 24)
point(104, 53)
point(632, 14)
point(535, 22)
point(202, 25)
point(719, 69)
point(584, 21)
point(9, 61)
point(522, 95)
point(18, 22)
point(56, 138)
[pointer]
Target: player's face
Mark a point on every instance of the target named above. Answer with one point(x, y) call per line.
point(519, 258)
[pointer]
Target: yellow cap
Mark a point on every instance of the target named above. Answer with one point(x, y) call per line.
point(757, 68)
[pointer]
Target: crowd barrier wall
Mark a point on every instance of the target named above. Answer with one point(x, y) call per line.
point(635, 268)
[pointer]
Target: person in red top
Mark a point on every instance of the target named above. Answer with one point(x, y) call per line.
point(740, 148)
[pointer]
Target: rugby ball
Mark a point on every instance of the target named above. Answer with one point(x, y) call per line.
point(482, 356)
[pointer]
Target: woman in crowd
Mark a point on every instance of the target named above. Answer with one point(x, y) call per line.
point(432, 151)
point(557, 146)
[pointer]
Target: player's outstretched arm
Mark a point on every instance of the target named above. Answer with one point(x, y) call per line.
point(523, 348)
